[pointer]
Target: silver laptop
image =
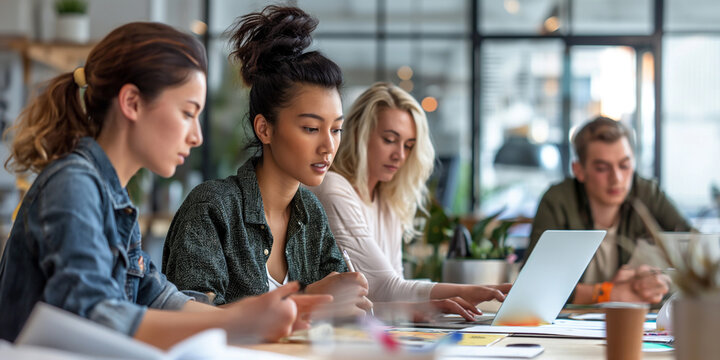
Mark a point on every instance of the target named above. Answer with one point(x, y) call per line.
point(545, 282)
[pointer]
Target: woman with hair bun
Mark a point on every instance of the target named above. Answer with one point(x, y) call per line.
point(255, 231)
point(76, 243)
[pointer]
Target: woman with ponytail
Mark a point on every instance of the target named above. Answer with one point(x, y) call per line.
point(76, 243)
point(254, 231)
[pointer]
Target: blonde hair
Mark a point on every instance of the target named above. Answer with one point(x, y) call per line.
point(407, 192)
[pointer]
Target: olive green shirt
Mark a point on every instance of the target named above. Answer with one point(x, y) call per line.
point(219, 240)
point(565, 206)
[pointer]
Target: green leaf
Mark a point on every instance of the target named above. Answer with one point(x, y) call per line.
point(439, 227)
point(500, 233)
point(71, 6)
point(478, 230)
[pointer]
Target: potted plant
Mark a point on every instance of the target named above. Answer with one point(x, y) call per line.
point(487, 258)
point(438, 229)
point(73, 23)
point(695, 319)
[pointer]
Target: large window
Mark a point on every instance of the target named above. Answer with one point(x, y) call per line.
point(521, 123)
point(436, 73)
point(691, 111)
point(691, 122)
point(506, 82)
point(515, 74)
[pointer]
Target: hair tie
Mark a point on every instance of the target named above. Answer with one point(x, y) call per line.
point(79, 76)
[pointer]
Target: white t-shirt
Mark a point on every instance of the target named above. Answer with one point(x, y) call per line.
point(272, 283)
point(372, 236)
point(605, 262)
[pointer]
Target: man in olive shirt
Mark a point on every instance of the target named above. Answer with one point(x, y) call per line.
point(598, 197)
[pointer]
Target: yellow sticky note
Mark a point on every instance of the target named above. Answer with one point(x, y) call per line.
point(472, 339)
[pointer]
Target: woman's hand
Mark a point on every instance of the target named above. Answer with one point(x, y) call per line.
point(349, 291)
point(306, 305)
point(267, 317)
point(425, 311)
point(447, 306)
point(476, 294)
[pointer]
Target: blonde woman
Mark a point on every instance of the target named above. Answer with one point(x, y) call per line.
point(375, 187)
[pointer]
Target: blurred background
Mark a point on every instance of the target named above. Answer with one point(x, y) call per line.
point(504, 84)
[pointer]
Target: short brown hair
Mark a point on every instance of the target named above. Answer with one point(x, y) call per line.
point(602, 129)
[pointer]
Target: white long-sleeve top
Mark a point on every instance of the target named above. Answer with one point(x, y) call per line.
point(372, 236)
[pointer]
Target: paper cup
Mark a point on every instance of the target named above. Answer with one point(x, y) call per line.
point(624, 328)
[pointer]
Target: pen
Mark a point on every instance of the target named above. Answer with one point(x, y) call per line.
point(452, 338)
point(351, 268)
point(349, 263)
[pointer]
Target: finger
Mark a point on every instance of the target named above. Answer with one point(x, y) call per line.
point(666, 279)
point(286, 290)
point(644, 268)
point(301, 324)
point(651, 296)
point(657, 284)
point(356, 278)
point(306, 303)
point(504, 288)
point(360, 291)
point(363, 281)
point(451, 307)
point(466, 305)
point(657, 298)
point(651, 293)
point(419, 316)
point(496, 295)
point(281, 333)
point(350, 292)
point(358, 312)
point(338, 311)
point(364, 304)
point(657, 292)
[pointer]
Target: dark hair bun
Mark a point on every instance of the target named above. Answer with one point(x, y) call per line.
point(265, 40)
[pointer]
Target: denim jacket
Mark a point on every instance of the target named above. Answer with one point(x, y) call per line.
point(76, 245)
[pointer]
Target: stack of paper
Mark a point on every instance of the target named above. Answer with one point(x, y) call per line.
point(566, 328)
point(51, 333)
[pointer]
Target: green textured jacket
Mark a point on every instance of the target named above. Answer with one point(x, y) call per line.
point(565, 206)
point(219, 241)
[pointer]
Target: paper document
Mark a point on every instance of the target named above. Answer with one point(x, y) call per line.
point(465, 352)
point(27, 352)
point(566, 328)
point(417, 337)
point(51, 328)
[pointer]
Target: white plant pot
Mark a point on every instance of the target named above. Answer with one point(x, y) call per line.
point(696, 325)
point(74, 28)
point(478, 272)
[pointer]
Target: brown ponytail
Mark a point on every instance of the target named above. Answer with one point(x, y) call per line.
point(50, 125)
point(151, 56)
